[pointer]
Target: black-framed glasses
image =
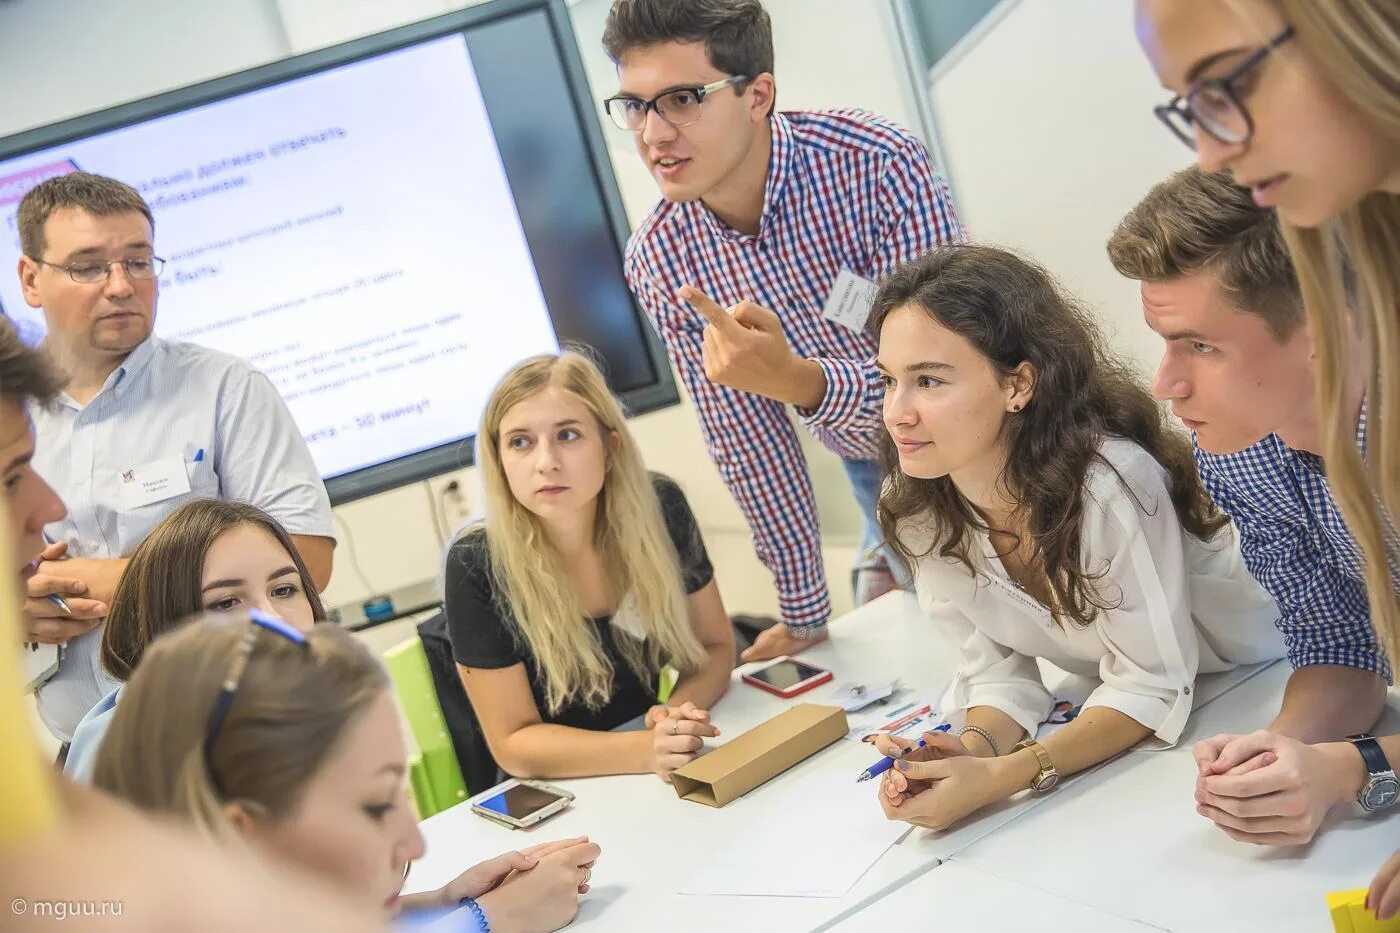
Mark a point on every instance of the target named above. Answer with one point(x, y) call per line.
point(678, 106)
point(259, 621)
point(90, 272)
point(1214, 105)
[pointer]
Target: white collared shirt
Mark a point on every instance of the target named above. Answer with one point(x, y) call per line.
point(219, 417)
point(1183, 606)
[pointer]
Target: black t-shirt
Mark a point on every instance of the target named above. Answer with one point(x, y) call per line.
point(484, 632)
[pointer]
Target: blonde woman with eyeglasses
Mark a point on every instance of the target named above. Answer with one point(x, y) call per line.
point(586, 578)
point(1300, 102)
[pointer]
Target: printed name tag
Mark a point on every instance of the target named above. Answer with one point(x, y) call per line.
point(153, 482)
point(850, 301)
point(1019, 595)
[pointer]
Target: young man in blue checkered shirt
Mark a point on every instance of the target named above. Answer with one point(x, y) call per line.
point(1218, 287)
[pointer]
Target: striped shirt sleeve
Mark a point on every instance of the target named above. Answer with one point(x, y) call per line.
point(915, 213)
point(755, 448)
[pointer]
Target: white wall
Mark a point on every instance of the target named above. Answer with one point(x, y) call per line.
point(61, 58)
point(1047, 128)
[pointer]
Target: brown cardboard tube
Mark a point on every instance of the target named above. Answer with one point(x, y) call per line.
point(762, 753)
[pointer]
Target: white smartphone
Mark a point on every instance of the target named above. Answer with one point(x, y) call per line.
point(787, 677)
point(521, 804)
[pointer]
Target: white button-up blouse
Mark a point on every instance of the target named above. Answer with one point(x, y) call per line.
point(1183, 606)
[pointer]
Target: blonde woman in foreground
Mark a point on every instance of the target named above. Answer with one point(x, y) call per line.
point(290, 742)
point(587, 577)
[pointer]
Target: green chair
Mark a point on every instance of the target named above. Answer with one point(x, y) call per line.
point(434, 776)
point(666, 683)
point(418, 784)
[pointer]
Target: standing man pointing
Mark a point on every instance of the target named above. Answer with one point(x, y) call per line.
point(759, 265)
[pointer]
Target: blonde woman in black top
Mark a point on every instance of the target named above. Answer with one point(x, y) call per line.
point(586, 578)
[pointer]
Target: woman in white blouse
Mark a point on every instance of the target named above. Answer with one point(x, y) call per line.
point(1048, 512)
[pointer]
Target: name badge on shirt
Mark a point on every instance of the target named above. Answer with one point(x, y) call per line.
point(850, 301)
point(153, 482)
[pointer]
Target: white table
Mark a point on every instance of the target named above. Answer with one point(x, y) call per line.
point(1130, 843)
point(956, 898)
point(651, 839)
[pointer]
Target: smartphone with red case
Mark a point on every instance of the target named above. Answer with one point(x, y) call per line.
point(787, 677)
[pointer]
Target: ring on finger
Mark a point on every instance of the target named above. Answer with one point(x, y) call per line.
point(675, 726)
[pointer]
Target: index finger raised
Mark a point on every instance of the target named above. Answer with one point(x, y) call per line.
point(709, 309)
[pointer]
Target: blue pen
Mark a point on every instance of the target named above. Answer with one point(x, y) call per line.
point(54, 597)
point(884, 764)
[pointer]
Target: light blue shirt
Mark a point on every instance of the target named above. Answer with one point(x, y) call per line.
point(87, 739)
point(221, 417)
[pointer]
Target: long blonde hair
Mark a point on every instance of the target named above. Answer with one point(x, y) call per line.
point(293, 704)
point(630, 534)
point(1357, 44)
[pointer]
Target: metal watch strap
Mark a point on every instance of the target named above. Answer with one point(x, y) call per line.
point(1049, 775)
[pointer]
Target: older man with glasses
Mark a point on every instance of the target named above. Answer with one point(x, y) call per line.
point(142, 425)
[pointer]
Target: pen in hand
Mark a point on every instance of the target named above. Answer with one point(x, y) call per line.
point(884, 764)
point(54, 597)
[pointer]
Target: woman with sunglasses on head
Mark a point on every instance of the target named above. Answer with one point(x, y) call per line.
point(290, 741)
point(208, 554)
point(1300, 102)
point(586, 578)
point(1050, 513)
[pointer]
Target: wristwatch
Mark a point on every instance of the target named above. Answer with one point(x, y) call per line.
point(1047, 777)
point(1382, 788)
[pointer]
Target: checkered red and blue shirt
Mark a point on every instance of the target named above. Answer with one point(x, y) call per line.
point(845, 189)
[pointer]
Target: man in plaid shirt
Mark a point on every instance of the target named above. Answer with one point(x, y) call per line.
point(758, 266)
point(1218, 286)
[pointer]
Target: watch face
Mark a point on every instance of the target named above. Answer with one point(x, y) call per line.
point(1048, 781)
point(1380, 793)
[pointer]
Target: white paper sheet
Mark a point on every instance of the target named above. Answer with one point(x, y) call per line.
point(815, 841)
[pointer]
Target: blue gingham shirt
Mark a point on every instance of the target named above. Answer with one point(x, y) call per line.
point(165, 400)
point(1296, 543)
point(844, 189)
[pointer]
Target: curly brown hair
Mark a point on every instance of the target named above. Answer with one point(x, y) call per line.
point(1012, 311)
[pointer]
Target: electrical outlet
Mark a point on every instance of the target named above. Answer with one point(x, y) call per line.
point(456, 509)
